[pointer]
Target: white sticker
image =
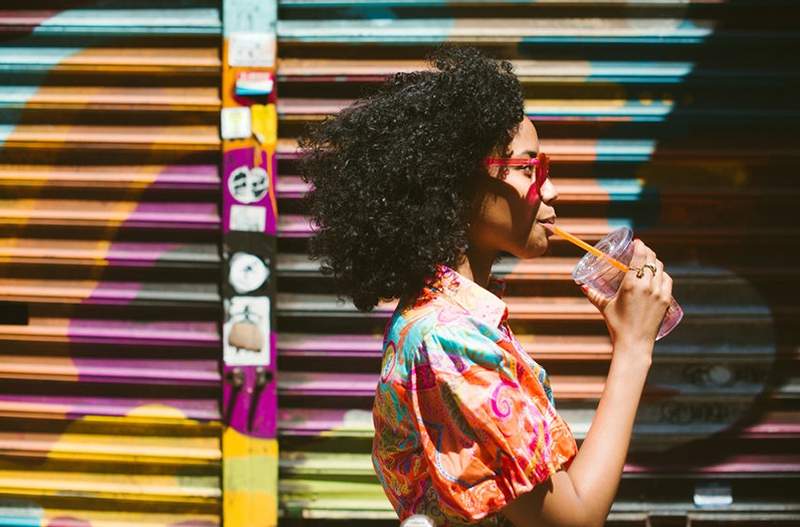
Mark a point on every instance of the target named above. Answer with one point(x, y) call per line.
point(247, 272)
point(245, 333)
point(235, 123)
point(712, 494)
point(248, 185)
point(246, 48)
point(248, 218)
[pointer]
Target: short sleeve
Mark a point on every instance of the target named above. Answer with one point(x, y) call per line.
point(487, 429)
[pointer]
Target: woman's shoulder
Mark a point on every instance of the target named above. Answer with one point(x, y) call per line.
point(423, 335)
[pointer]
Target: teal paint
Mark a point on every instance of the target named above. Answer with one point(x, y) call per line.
point(132, 22)
point(249, 16)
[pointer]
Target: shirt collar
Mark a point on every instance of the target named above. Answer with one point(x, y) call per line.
point(485, 304)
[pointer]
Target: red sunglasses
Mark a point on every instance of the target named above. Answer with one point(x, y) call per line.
point(540, 166)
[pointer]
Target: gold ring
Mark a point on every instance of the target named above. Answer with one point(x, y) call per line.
point(640, 270)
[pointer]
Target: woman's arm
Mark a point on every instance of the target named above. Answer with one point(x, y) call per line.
point(582, 496)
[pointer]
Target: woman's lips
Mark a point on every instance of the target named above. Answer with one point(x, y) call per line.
point(547, 227)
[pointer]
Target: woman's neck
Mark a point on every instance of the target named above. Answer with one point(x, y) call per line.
point(477, 265)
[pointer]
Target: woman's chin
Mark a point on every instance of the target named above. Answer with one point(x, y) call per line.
point(535, 248)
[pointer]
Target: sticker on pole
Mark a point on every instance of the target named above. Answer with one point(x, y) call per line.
point(248, 185)
point(247, 48)
point(245, 334)
point(248, 218)
point(247, 272)
point(235, 123)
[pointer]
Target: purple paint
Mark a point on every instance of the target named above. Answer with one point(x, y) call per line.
point(188, 177)
point(172, 334)
point(237, 403)
point(311, 421)
point(79, 407)
point(235, 159)
point(189, 372)
point(141, 254)
point(172, 215)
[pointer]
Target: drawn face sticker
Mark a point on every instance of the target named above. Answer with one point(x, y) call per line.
point(248, 185)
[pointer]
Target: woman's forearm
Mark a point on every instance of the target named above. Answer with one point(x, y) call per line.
point(597, 468)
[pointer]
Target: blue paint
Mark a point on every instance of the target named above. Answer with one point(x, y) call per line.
point(622, 190)
point(640, 72)
point(625, 150)
point(20, 513)
point(616, 223)
point(251, 16)
point(14, 98)
point(34, 60)
point(132, 22)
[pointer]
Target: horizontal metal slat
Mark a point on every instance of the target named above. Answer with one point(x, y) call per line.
point(113, 22)
point(103, 253)
point(19, 516)
point(604, 191)
point(542, 347)
point(186, 372)
point(551, 268)
point(119, 448)
point(110, 177)
point(150, 410)
point(661, 31)
point(122, 332)
point(120, 99)
point(306, 464)
point(617, 151)
point(593, 229)
point(117, 487)
point(334, 70)
point(111, 60)
point(570, 110)
point(522, 308)
point(109, 292)
point(312, 4)
point(148, 138)
point(153, 215)
point(338, 423)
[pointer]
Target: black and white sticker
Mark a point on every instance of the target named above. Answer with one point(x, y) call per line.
point(247, 272)
point(245, 334)
point(248, 185)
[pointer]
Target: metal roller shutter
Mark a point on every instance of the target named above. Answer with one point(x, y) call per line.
point(109, 233)
point(677, 118)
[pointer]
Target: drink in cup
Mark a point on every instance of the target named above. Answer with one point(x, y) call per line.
point(599, 272)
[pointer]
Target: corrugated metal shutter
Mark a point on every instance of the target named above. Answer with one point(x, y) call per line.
point(675, 117)
point(109, 407)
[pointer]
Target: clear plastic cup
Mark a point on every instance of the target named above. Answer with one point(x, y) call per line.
point(599, 274)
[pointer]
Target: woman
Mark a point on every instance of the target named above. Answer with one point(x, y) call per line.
point(416, 192)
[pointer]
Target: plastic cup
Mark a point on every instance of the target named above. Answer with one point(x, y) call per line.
point(599, 274)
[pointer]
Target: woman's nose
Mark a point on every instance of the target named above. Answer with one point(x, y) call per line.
point(549, 192)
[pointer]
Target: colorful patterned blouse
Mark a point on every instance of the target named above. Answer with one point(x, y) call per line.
point(465, 420)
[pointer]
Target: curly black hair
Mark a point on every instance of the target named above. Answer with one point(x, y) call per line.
point(393, 176)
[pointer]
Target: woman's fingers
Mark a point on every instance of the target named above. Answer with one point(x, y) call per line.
point(658, 277)
point(641, 255)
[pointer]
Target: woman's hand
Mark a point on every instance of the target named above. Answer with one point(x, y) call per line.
point(634, 315)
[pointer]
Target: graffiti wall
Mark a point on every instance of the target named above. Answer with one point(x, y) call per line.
point(674, 118)
point(109, 236)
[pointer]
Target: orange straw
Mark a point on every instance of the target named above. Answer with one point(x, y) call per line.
point(583, 245)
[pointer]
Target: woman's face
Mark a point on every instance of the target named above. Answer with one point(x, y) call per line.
point(505, 221)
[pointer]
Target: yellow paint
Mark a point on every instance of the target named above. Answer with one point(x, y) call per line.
point(250, 480)
point(159, 410)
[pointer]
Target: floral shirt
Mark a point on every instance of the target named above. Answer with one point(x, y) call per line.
point(465, 420)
